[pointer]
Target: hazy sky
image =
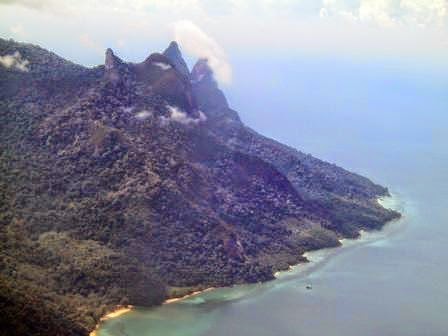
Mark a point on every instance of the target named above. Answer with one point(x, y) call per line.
point(412, 31)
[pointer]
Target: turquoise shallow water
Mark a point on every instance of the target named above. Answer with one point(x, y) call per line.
point(379, 285)
point(393, 283)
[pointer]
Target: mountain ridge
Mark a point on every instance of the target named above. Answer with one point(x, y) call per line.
point(128, 183)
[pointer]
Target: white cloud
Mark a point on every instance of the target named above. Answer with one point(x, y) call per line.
point(380, 12)
point(142, 115)
point(177, 115)
point(426, 12)
point(194, 41)
point(416, 30)
point(15, 61)
point(161, 65)
point(389, 13)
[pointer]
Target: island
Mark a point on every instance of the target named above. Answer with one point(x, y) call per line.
point(133, 183)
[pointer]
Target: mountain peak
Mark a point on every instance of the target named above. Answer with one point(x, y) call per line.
point(111, 60)
point(112, 65)
point(174, 46)
point(174, 54)
point(207, 93)
point(202, 72)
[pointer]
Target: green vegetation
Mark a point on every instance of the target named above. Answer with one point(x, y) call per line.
point(100, 207)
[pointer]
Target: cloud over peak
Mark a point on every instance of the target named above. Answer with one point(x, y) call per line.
point(416, 30)
point(197, 43)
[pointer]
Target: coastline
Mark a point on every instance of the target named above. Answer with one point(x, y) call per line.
point(177, 299)
point(115, 313)
point(119, 311)
point(316, 258)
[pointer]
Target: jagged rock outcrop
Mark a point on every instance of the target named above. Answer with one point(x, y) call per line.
point(113, 67)
point(208, 96)
point(174, 55)
point(123, 183)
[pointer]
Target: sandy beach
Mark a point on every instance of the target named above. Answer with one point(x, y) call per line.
point(316, 259)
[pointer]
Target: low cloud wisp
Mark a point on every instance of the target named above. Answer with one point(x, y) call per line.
point(142, 115)
point(177, 115)
point(161, 65)
point(15, 61)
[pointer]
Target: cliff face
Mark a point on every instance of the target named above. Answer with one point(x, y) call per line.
point(121, 182)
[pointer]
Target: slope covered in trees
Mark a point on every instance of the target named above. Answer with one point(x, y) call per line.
point(126, 183)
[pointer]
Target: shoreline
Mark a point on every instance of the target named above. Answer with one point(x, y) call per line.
point(115, 313)
point(317, 258)
point(186, 296)
point(323, 255)
point(119, 311)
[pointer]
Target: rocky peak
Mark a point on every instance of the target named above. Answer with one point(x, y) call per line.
point(111, 61)
point(112, 66)
point(206, 92)
point(202, 72)
point(174, 54)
